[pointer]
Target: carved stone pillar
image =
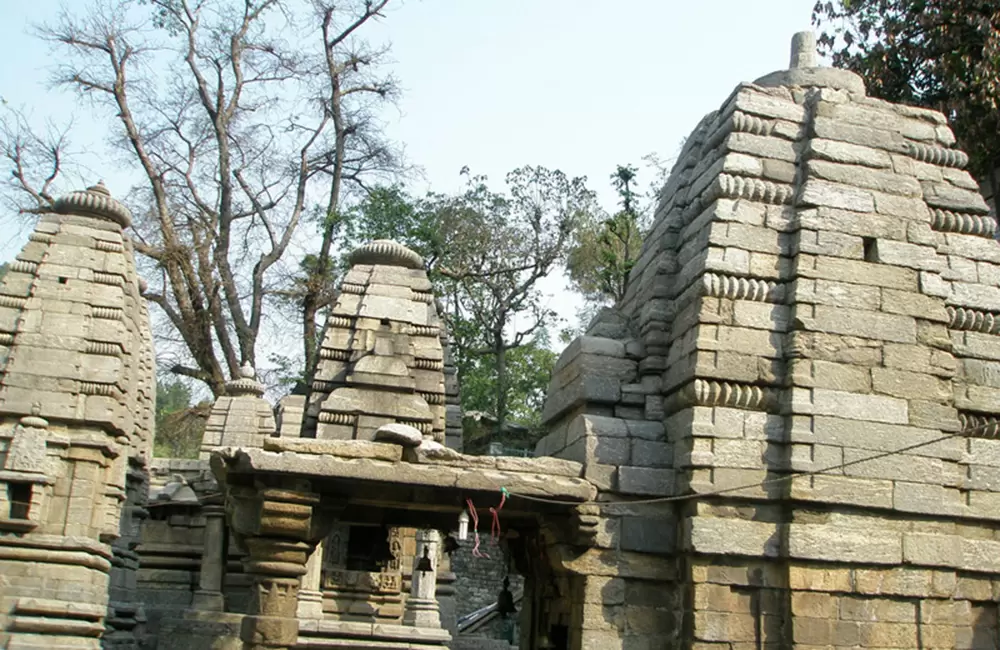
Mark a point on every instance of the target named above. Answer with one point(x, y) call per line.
point(208, 596)
point(310, 589)
point(276, 565)
point(280, 527)
point(422, 606)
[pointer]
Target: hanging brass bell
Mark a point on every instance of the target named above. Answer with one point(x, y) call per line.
point(505, 600)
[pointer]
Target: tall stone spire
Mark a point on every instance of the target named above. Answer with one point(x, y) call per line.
point(76, 395)
point(808, 343)
point(242, 417)
point(381, 359)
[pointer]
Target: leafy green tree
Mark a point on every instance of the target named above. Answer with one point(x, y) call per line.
point(179, 424)
point(605, 248)
point(486, 252)
point(389, 212)
point(529, 369)
point(499, 247)
point(941, 54)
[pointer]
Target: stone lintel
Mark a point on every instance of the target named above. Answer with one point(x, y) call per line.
point(428, 473)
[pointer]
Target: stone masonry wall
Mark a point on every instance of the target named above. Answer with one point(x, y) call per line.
point(819, 293)
point(480, 580)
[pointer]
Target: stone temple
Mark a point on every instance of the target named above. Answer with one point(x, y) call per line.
point(785, 436)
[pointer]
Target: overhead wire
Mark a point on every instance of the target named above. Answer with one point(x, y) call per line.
point(748, 486)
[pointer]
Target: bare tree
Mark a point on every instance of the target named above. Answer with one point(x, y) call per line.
point(266, 113)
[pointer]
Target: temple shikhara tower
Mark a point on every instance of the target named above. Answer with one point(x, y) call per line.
point(76, 396)
point(820, 287)
point(787, 434)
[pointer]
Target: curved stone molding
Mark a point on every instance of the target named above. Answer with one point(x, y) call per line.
point(104, 348)
point(6, 338)
point(107, 313)
point(963, 223)
point(335, 355)
point(977, 425)
point(937, 155)
point(703, 392)
point(109, 278)
point(330, 417)
point(99, 388)
point(752, 189)
point(20, 266)
point(428, 364)
point(95, 201)
point(746, 123)
point(356, 289)
point(425, 428)
point(423, 330)
point(41, 237)
point(109, 246)
point(340, 321)
point(974, 320)
point(388, 253)
point(13, 301)
point(433, 398)
point(246, 383)
point(423, 296)
point(735, 288)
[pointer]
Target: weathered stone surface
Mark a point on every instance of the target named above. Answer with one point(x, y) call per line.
point(820, 542)
point(851, 154)
point(645, 480)
point(839, 196)
point(399, 434)
point(875, 408)
point(342, 448)
point(430, 474)
point(724, 536)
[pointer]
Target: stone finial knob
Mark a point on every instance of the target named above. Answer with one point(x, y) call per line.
point(247, 371)
point(805, 71)
point(803, 51)
point(246, 383)
point(386, 252)
point(96, 201)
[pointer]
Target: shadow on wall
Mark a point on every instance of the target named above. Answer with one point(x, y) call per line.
point(481, 579)
point(985, 629)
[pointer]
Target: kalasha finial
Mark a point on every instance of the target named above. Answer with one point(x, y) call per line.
point(386, 252)
point(246, 383)
point(95, 201)
point(803, 50)
point(804, 70)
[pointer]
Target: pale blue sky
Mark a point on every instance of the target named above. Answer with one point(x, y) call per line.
point(578, 85)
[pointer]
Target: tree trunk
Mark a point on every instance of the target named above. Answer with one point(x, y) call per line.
point(500, 350)
point(309, 337)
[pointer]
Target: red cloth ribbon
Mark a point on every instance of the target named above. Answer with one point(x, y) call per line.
point(475, 528)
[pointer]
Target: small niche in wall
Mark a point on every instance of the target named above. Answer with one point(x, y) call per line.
point(868, 245)
point(18, 500)
point(367, 548)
